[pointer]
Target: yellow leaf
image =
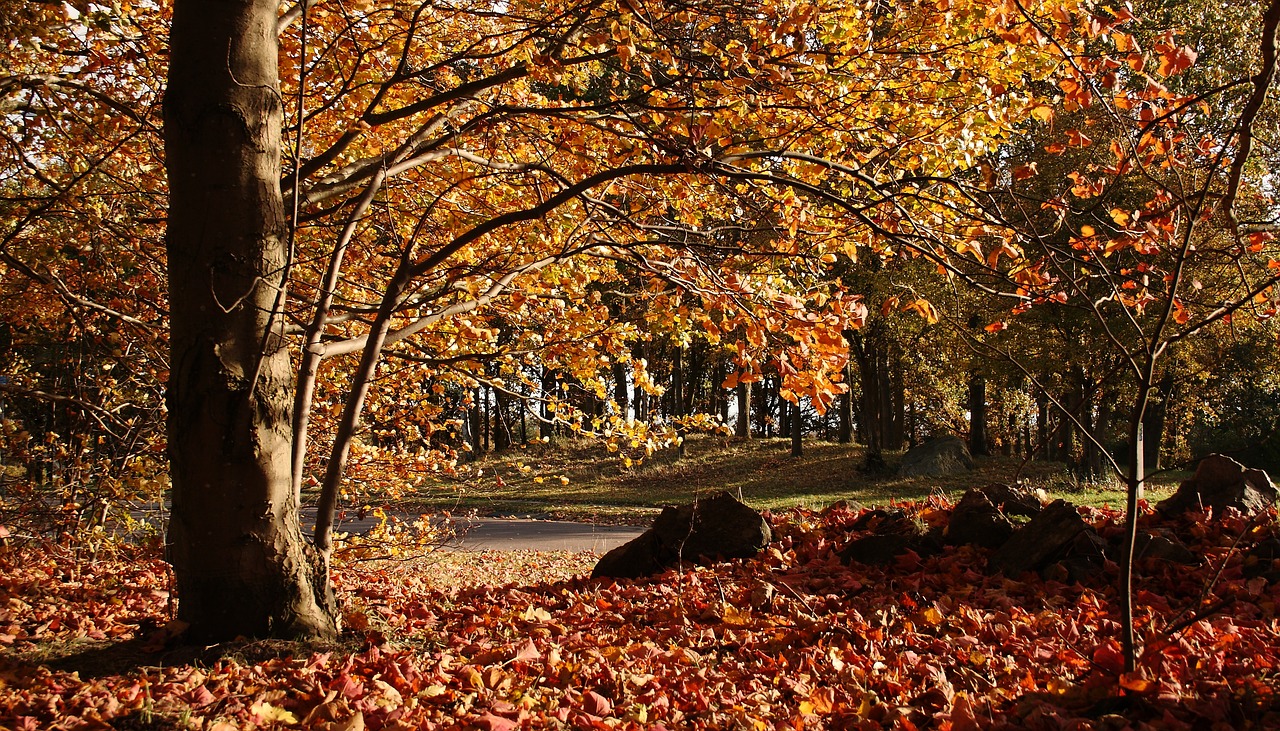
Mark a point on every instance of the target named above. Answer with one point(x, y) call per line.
point(266, 713)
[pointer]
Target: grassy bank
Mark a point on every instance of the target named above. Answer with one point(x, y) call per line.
point(579, 480)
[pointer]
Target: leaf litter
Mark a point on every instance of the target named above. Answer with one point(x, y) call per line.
point(794, 639)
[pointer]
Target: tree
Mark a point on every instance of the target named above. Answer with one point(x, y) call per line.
point(236, 544)
point(451, 188)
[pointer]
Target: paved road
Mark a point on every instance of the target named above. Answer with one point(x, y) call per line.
point(521, 534)
point(501, 534)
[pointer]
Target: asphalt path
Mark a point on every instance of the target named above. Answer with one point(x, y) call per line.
point(482, 533)
point(509, 534)
point(520, 534)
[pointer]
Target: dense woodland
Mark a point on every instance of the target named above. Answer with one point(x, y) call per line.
point(256, 253)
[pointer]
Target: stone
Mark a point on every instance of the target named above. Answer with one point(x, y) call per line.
point(1160, 548)
point(1263, 560)
point(936, 457)
point(1046, 538)
point(876, 550)
point(1220, 483)
point(976, 520)
point(718, 527)
point(1013, 500)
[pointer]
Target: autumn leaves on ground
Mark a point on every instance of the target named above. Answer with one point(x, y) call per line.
point(795, 638)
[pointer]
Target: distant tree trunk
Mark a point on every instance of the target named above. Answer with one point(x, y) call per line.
point(898, 421)
point(797, 430)
point(677, 396)
point(620, 388)
point(784, 418)
point(1048, 450)
point(719, 401)
point(744, 409)
point(695, 377)
point(476, 416)
point(845, 406)
point(487, 421)
point(235, 542)
point(1153, 423)
point(501, 420)
point(524, 416)
point(870, 414)
point(547, 427)
point(977, 415)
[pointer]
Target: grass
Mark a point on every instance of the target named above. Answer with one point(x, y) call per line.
point(578, 480)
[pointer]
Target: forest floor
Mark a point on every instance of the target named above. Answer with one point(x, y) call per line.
point(796, 638)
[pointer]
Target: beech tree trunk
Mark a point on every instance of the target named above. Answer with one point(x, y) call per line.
point(241, 563)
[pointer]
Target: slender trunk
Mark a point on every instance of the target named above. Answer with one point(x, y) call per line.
point(349, 422)
point(744, 409)
point(309, 367)
point(797, 431)
point(239, 558)
point(620, 387)
point(845, 434)
point(547, 427)
point(1156, 418)
point(977, 414)
point(476, 420)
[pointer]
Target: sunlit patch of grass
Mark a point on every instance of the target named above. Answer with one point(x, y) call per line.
point(578, 479)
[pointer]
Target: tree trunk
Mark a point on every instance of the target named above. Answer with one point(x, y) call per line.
point(977, 415)
point(845, 434)
point(550, 390)
point(1154, 420)
point(797, 430)
point(744, 409)
point(620, 388)
point(475, 418)
point(239, 558)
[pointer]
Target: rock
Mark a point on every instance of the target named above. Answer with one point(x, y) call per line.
point(721, 526)
point(1048, 537)
point(936, 458)
point(1220, 483)
point(1261, 560)
point(1161, 548)
point(976, 520)
point(876, 549)
point(885, 521)
point(1013, 500)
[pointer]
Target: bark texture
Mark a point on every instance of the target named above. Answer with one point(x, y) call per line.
point(241, 563)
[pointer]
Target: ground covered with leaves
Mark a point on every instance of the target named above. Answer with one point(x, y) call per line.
point(793, 639)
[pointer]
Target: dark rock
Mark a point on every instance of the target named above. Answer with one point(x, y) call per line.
point(1046, 538)
point(937, 457)
point(1261, 560)
point(719, 527)
point(895, 533)
point(976, 520)
point(881, 520)
point(1161, 548)
point(1220, 483)
point(877, 549)
point(1012, 500)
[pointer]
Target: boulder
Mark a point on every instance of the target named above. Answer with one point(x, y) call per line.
point(977, 521)
point(1220, 483)
point(719, 527)
point(937, 457)
point(1049, 537)
point(893, 533)
point(1013, 500)
point(1160, 548)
